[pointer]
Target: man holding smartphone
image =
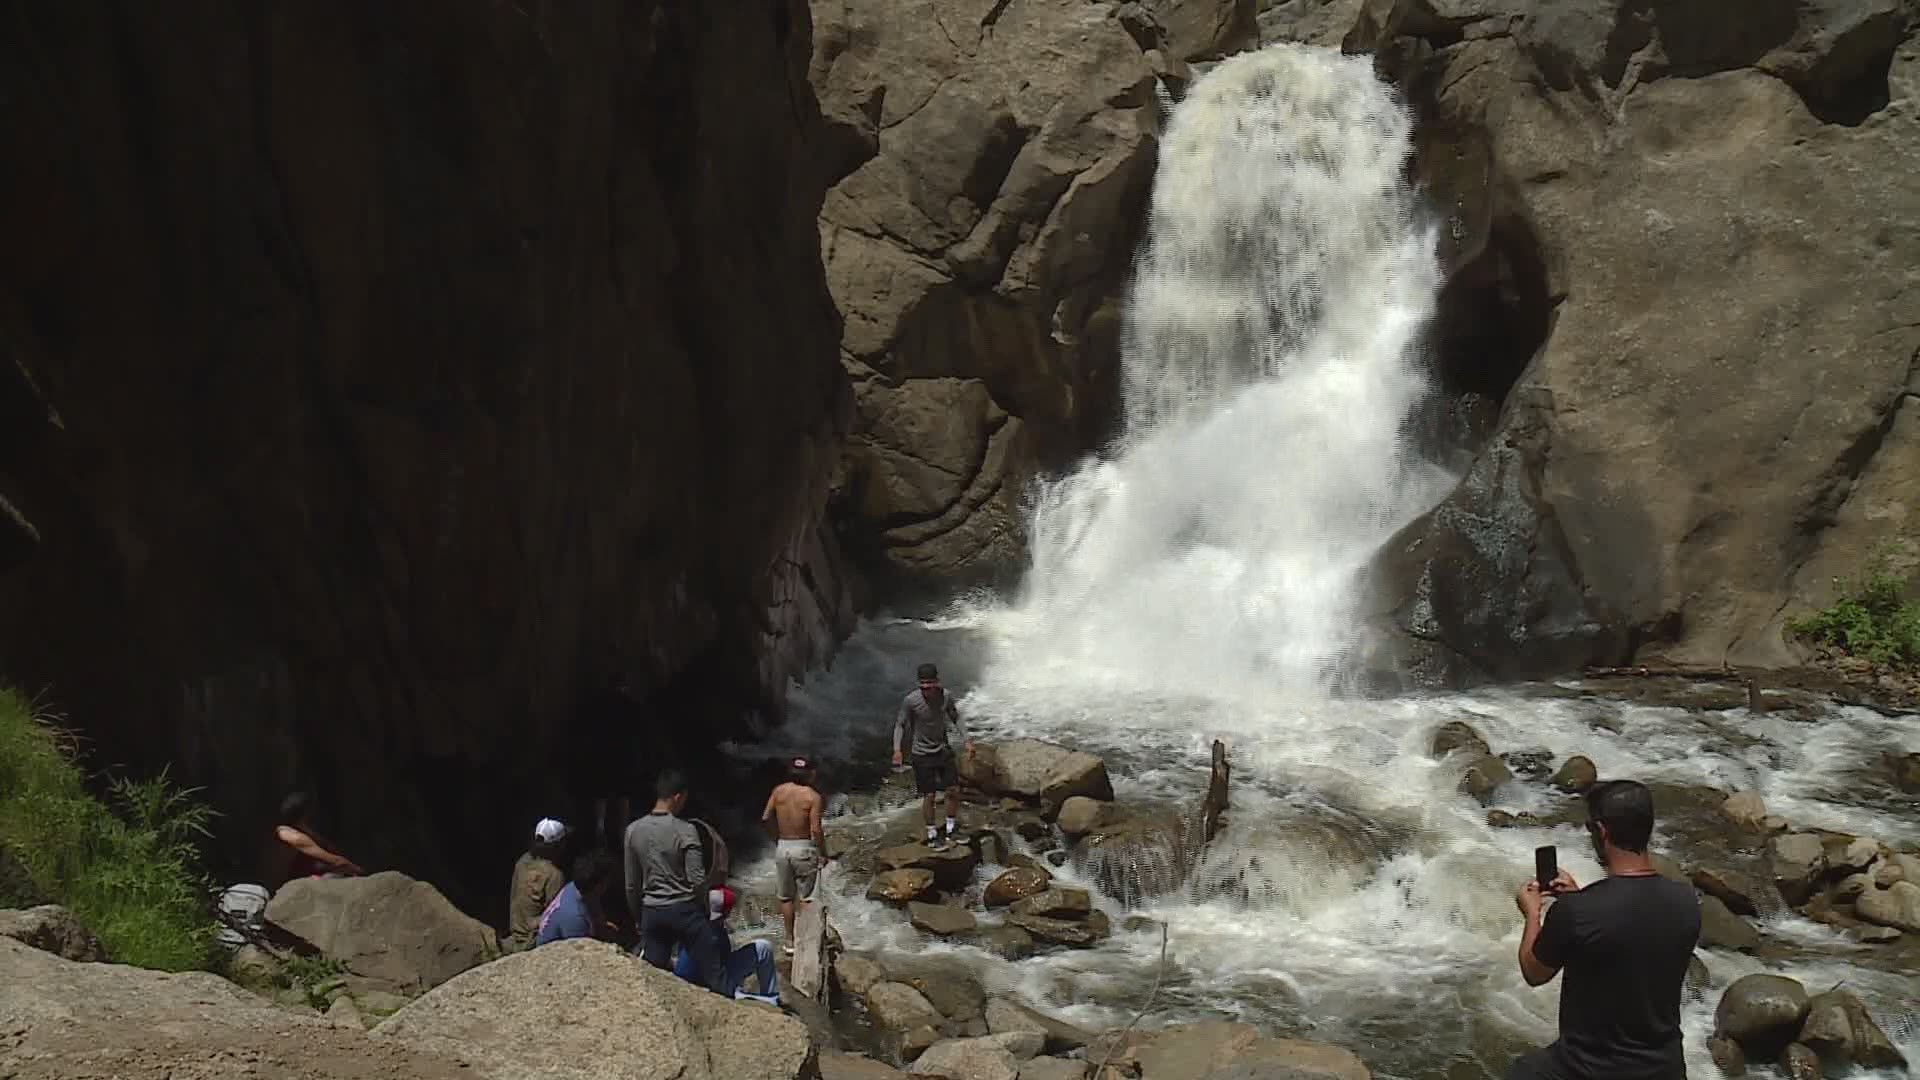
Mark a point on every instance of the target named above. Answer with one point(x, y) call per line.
point(1624, 943)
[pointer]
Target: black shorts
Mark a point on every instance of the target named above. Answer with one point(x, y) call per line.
point(932, 775)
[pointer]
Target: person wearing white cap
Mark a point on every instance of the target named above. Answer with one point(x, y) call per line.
point(536, 881)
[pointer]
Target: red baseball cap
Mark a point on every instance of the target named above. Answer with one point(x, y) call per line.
point(720, 901)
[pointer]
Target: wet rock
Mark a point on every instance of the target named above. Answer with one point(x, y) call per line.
point(993, 1057)
point(837, 1066)
point(1722, 929)
point(941, 919)
point(1897, 906)
point(52, 928)
point(1008, 942)
point(1457, 735)
point(1798, 1062)
point(1016, 884)
point(1697, 979)
point(1053, 1068)
point(1081, 815)
point(1828, 1028)
point(1500, 819)
point(1079, 935)
point(1484, 777)
point(1763, 1013)
point(1741, 893)
point(915, 1041)
point(1225, 1050)
point(251, 965)
point(1135, 924)
point(1797, 862)
point(952, 869)
point(1848, 854)
point(1668, 869)
point(1867, 934)
point(1887, 871)
point(1007, 1015)
point(993, 846)
point(1058, 902)
point(1037, 771)
point(1852, 886)
point(1745, 809)
point(1535, 763)
point(1774, 823)
point(1727, 1055)
point(901, 1007)
point(900, 886)
point(945, 981)
point(1906, 772)
point(1576, 775)
point(1056, 859)
point(840, 843)
point(857, 974)
point(1031, 829)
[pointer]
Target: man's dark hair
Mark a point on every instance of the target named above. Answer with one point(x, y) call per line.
point(928, 673)
point(1625, 807)
point(671, 782)
point(295, 807)
point(591, 870)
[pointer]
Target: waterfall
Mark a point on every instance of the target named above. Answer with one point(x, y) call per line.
point(1271, 360)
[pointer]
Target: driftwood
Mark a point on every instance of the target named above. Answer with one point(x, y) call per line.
point(809, 974)
point(1214, 808)
point(1701, 674)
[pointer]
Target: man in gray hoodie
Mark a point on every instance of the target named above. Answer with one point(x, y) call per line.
point(925, 715)
point(666, 871)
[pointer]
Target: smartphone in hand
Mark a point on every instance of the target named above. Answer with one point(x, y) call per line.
point(1546, 866)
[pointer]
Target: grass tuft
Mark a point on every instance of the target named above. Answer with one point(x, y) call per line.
point(1871, 620)
point(127, 866)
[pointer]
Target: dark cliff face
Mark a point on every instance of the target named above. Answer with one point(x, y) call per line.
point(382, 380)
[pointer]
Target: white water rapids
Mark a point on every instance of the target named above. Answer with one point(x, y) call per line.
point(1198, 583)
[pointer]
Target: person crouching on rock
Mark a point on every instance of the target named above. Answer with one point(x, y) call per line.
point(927, 712)
point(666, 870)
point(1624, 942)
point(577, 911)
point(754, 958)
point(301, 850)
point(793, 816)
point(537, 879)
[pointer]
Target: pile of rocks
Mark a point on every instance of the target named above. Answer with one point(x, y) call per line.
point(1770, 1018)
point(1485, 773)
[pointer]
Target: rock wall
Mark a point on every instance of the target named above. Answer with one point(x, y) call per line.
point(381, 381)
point(991, 164)
point(1721, 205)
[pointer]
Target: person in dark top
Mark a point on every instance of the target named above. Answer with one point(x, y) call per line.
point(1624, 943)
point(299, 849)
point(920, 732)
point(666, 879)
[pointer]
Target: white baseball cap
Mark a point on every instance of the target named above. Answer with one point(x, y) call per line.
point(550, 830)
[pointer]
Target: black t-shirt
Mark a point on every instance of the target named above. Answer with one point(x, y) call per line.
point(1623, 944)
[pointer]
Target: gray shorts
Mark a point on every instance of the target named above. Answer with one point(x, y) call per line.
point(796, 865)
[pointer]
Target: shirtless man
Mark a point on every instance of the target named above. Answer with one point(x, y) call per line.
point(792, 817)
point(300, 850)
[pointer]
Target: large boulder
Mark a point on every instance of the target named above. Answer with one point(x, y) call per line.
point(577, 1009)
point(1897, 905)
point(901, 1007)
point(1483, 778)
point(1742, 893)
point(941, 920)
point(1745, 809)
point(988, 1057)
point(65, 1019)
point(54, 929)
point(900, 886)
point(1839, 1028)
point(1798, 861)
point(1218, 1049)
point(1075, 933)
point(991, 164)
point(1080, 815)
point(388, 929)
point(1015, 884)
point(952, 867)
point(1058, 902)
point(1007, 1015)
point(1720, 928)
point(1031, 769)
point(1703, 379)
point(1762, 1013)
point(1457, 735)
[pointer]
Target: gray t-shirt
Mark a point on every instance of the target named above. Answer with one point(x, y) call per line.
point(927, 720)
point(664, 863)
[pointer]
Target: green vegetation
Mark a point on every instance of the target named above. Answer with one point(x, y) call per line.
point(1871, 620)
point(129, 870)
point(316, 976)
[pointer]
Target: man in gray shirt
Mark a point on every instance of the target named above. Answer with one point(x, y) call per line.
point(926, 713)
point(666, 871)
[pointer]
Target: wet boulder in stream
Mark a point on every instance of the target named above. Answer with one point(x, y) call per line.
point(952, 868)
point(1897, 906)
point(900, 886)
point(1745, 809)
point(942, 920)
point(1015, 885)
point(1484, 777)
point(1457, 735)
point(1797, 861)
point(1722, 929)
point(1799, 1062)
point(1036, 771)
point(1080, 815)
point(1762, 1013)
point(1576, 775)
point(1059, 902)
point(1743, 894)
point(1840, 1029)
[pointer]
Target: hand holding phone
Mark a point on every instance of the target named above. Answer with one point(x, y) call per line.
point(1546, 866)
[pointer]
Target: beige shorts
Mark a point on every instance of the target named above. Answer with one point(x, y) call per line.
point(796, 865)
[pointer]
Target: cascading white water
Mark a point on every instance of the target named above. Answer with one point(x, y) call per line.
point(1271, 362)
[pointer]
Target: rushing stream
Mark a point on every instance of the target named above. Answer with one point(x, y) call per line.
point(1198, 582)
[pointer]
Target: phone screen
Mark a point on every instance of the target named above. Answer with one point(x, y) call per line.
point(1546, 865)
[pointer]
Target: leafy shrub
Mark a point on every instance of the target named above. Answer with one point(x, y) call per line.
point(128, 867)
point(1871, 619)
